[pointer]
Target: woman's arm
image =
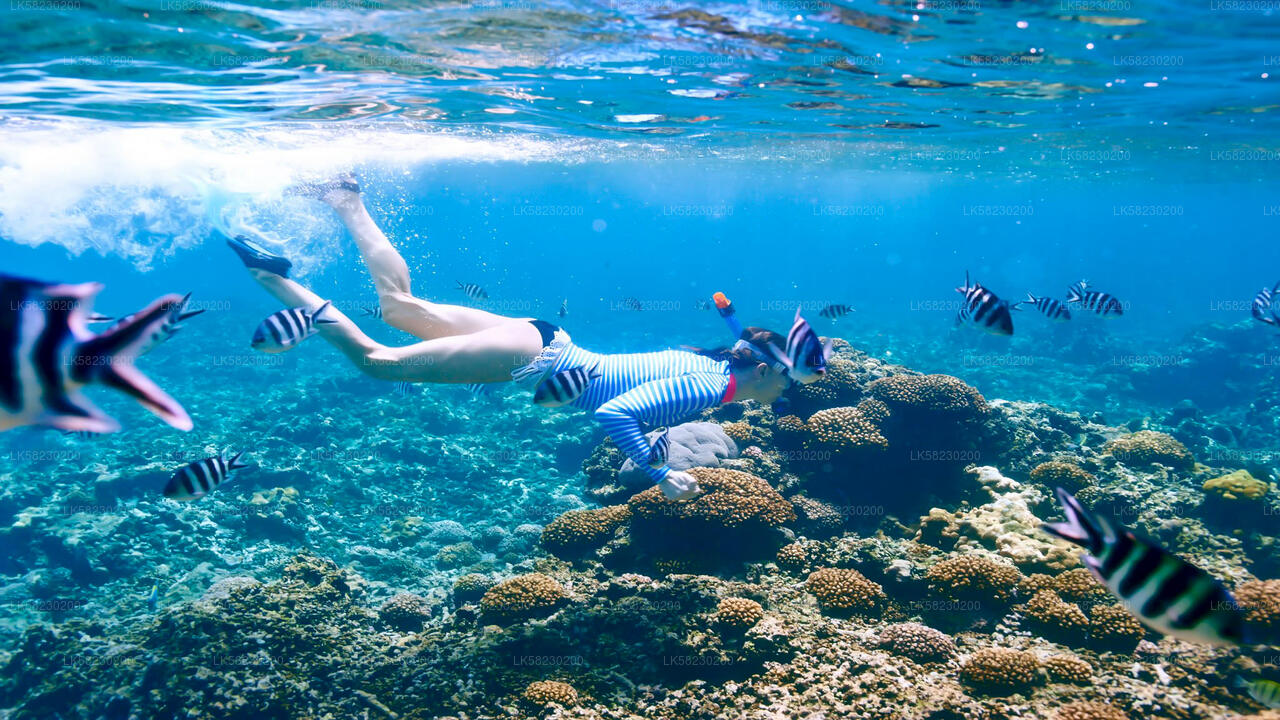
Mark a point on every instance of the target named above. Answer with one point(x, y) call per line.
point(660, 402)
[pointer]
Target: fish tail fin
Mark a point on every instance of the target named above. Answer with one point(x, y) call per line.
point(1031, 298)
point(780, 355)
point(319, 317)
point(235, 464)
point(107, 359)
point(1081, 527)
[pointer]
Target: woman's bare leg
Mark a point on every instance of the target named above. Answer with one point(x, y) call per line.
point(400, 309)
point(485, 356)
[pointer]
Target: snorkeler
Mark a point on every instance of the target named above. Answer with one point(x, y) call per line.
point(466, 345)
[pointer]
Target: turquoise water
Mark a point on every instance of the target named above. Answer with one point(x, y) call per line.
point(790, 153)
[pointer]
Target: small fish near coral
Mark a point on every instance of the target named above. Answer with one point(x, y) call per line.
point(805, 356)
point(197, 479)
point(1169, 594)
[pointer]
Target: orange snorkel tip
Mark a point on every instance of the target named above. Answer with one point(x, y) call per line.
point(721, 301)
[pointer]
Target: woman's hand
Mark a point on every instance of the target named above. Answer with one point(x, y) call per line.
point(679, 485)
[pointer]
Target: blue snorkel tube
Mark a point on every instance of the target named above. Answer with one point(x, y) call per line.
point(730, 316)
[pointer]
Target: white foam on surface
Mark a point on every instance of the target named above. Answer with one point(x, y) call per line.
point(142, 192)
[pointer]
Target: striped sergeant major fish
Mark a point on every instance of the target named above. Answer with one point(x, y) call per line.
point(48, 355)
point(473, 291)
point(405, 389)
point(1264, 309)
point(564, 387)
point(659, 449)
point(171, 325)
point(1167, 593)
point(1050, 307)
point(805, 356)
point(1098, 302)
point(983, 309)
point(1265, 692)
point(374, 311)
point(197, 479)
point(283, 330)
point(564, 307)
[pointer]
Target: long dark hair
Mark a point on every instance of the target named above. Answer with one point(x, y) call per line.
point(743, 358)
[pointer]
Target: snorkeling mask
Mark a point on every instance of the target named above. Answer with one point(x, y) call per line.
point(727, 312)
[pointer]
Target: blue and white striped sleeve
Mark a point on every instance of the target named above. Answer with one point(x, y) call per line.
point(655, 403)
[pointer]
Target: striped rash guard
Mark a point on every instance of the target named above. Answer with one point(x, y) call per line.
point(654, 389)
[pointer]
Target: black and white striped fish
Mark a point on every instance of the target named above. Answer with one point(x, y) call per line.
point(47, 355)
point(1166, 592)
point(702, 304)
point(1050, 307)
point(564, 307)
point(1264, 307)
point(1096, 301)
point(984, 309)
point(473, 291)
point(371, 311)
point(564, 387)
point(169, 327)
point(835, 312)
point(285, 329)
point(805, 356)
point(81, 434)
point(632, 303)
point(195, 480)
point(659, 449)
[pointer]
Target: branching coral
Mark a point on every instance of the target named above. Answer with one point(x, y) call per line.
point(1053, 617)
point(845, 591)
point(521, 598)
point(1147, 447)
point(470, 588)
point(405, 612)
point(844, 429)
point(1068, 669)
point(579, 531)
point(1111, 627)
point(730, 499)
point(935, 396)
point(920, 643)
point(1064, 475)
point(738, 613)
point(1000, 671)
point(1260, 601)
point(816, 517)
point(544, 692)
point(970, 577)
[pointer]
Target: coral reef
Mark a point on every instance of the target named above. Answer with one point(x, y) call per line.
point(1000, 671)
point(1147, 447)
point(521, 598)
point(405, 612)
point(1057, 473)
point(739, 613)
point(693, 444)
point(902, 565)
point(970, 577)
point(843, 590)
point(579, 531)
point(544, 692)
point(1237, 486)
point(920, 643)
point(1068, 669)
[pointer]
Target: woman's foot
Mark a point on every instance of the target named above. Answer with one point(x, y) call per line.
point(256, 258)
point(339, 190)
